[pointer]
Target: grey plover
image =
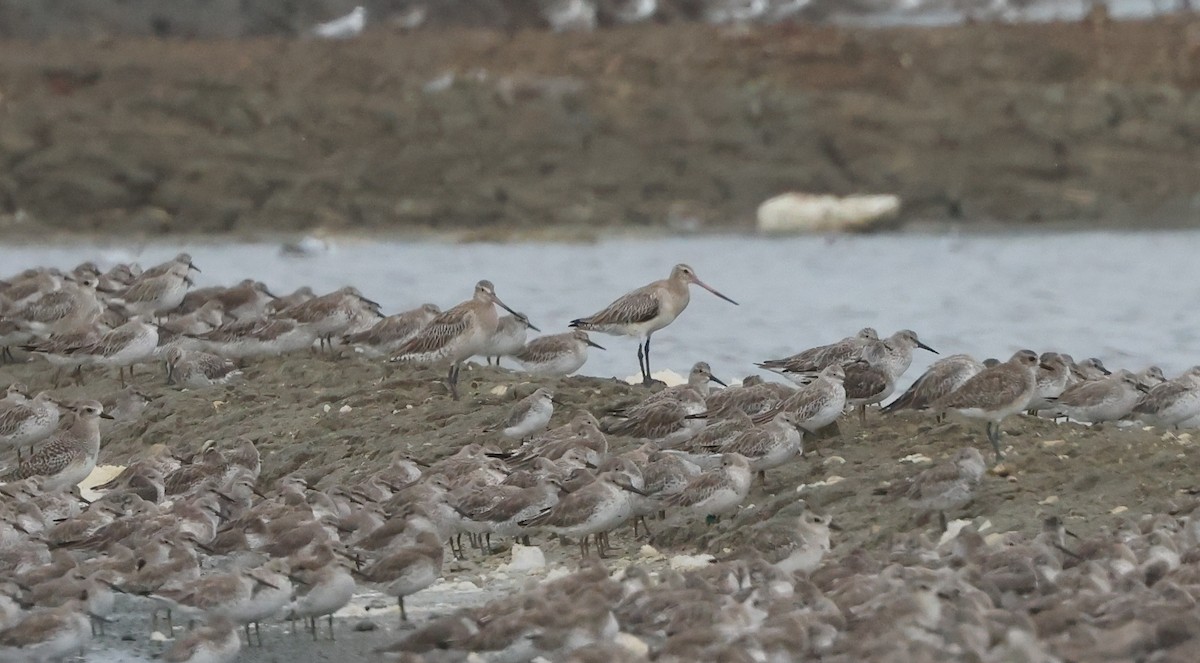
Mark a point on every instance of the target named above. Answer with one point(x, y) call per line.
point(25, 424)
point(995, 393)
point(646, 310)
point(69, 455)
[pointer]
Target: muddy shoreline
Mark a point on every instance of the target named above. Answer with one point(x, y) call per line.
point(674, 128)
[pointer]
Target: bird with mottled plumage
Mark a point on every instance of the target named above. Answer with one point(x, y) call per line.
point(800, 366)
point(154, 293)
point(193, 369)
point(769, 445)
point(457, 334)
point(530, 415)
point(752, 397)
point(24, 424)
point(713, 493)
point(392, 332)
point(69, 455)
point(556, 354)
point(343, 311)
point(1053, 377)
point(509, 337)
point(947, 486)
point(124, 347)
point(1171, 403)
point(670, 422)
point(1096, 401)
point(815, 405)
point(591, 510)
point(408, 569)
point(995, 393)
point(73, 306)
point(794, 539)
point(214, 642)
point(47, 634)
point(642, 312)
point(942, 378)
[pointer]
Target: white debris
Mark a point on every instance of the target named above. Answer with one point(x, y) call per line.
point(916, 458)
point(649, 552)
point(101, 474)
point(458, 586)
point(668, 377)
point(326, 408)
point(807, 213)
point(834, 460)
point(499, 390)
point(525, 559)
point(685, 562)
point(632, 644)
point(159, 637)
point(350, 25)
point(952, 530)
point(556, 573)
point(344, 409)
point(1120, 509)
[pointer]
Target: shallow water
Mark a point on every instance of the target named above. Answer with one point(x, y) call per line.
point(1127, 298)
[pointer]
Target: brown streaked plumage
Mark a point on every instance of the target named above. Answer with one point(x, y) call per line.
point(642, 312)
point(457, 334)
point(821, 357)
point(392, 332)
point(995, 393)
point(69, 455)
point(408, 570)
point(943, 377)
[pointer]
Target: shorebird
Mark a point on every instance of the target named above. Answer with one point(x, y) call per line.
point(671, 422)
point(899, 347)
point(342, 311)
point(1151, 377)
point(800, 366)
point(156, 294)
point(181, 262)
point(130, 344)
point(387, 335)
point(25, 424)
point(558, 354)
point(1173, 402)
point(530, 415)
point(509, 337)
point(61, 311)
point(816, 405)
point(1088, 369)
point(324, 587)
point(646, 310)
point(870, 380)
point(408, 570)
point(1096, 401)
point(947, 486)
point(592, 510)
point(214, 642)
point(1053, 376)
point(794, 540)
point(69, 455)
point(48, 634)
point(943, 377)
point(995, 393)
point(752, 397)
point(713, 493)
point(197, 370)
point(457, 334)
point(246, 300)
point(768, 446)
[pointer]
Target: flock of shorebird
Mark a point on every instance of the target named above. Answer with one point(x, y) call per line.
point(192, 533)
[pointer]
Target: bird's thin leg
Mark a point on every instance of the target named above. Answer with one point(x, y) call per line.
point(994, 437)
point(641, 362)
point(452, 380)
point(403, 613)
point(331, 638)
point(648, 379)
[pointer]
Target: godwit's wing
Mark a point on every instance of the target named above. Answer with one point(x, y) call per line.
point(434, 342)
point(641, 305)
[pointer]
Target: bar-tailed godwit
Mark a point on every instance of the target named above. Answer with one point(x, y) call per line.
point(646, 310)
point(457, 334)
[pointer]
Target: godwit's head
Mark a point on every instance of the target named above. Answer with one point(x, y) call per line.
point(685, 274)
point(582, 336)
point(486, 292)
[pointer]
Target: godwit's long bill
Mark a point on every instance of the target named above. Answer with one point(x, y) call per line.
point(456, 334)
point(646, 310)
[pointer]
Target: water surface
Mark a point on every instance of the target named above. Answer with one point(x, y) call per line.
point(1128, 298)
